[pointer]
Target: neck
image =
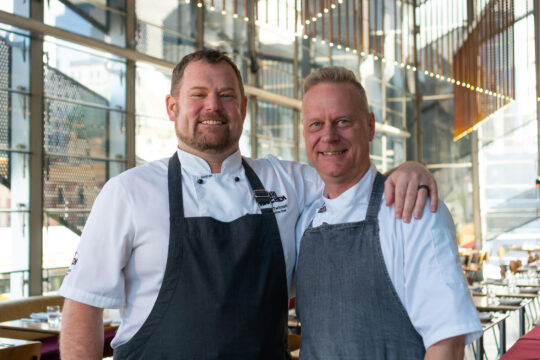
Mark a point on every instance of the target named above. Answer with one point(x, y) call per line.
point(337, 186)
point(214, 160)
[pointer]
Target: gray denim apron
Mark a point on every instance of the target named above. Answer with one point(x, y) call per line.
point(224, 291)
point(345, 299)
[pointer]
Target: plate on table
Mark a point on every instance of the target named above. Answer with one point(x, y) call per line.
point(485, 316)
point(107, 321)
point(42, 316)
point(510, 301)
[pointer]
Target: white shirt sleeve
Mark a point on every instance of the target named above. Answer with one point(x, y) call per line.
point(435, 294)
point(96, 275)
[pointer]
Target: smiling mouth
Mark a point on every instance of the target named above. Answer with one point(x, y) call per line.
point(212, 122)
point(332, 153)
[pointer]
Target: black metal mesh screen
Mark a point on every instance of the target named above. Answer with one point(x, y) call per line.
point(4, 110)
point(75, 130)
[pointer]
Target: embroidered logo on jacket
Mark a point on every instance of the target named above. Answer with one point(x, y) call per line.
point(274, 198)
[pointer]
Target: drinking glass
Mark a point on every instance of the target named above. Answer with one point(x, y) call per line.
point(491, 297)
point(54, 316)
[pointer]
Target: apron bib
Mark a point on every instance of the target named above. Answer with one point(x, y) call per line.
point(345, 299)
point(224, 291)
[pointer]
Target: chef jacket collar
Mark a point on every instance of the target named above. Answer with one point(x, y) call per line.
point(197, 166)
point(358, 194)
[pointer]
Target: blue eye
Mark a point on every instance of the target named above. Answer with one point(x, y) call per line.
point(315, 124)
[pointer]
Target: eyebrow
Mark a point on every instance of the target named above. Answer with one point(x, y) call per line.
point(205, 88)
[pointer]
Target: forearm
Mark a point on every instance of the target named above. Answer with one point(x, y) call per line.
point(81, 336)
point(447, 349)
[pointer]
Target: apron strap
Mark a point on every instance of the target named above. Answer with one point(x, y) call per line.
point(261, 195)
point(375, 199)
point(174, 175)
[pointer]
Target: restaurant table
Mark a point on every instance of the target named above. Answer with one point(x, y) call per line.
point(499, 320)
point(503, 292)
point(519, 283)
point(48, 335)
point(38, 330)
point(524, 248)
point(481, 303)
point(18, 349)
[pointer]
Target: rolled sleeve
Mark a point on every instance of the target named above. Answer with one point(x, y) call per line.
point(96, 275)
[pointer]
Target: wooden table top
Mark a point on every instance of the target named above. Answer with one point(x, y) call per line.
point(481, 303)
point(496, 319)
point(42, 327)
point(9, 342)
point(503, 292)
point(19, 349)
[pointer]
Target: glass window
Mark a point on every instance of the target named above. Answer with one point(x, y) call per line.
point(103, 20)
point(226, 32)
point(276, 57)
point(275, 130)
point(155, 136)
point(14, 163)
point(84, 140)
point(17, 7)
point(166, 29)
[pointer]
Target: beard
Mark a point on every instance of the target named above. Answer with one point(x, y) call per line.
point(218, 140)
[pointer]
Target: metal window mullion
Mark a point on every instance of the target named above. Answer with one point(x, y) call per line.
point(536, 11)
point(36, 156)
point(130, 86)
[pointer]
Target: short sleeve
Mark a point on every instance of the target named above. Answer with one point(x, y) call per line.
point(437, 298)
point(95, 276)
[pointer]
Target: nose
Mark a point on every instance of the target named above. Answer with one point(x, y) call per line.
point(329, 134)
point(212, 102)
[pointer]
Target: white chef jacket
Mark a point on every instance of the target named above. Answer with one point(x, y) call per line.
point(121, 258)
point(421, 258)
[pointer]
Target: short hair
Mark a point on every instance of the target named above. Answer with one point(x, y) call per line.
point(336, 75)
point(209, 56)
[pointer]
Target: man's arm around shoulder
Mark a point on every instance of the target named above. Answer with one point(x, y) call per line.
point(447, 349)
point(81, 336)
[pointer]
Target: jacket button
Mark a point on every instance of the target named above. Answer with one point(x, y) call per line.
point(200, 181)
point(236, 178)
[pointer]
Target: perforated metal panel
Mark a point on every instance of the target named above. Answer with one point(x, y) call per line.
point(75, 128)
point(4, 110)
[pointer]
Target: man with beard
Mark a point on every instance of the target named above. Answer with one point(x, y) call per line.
point(197, 250)
point(370, 286)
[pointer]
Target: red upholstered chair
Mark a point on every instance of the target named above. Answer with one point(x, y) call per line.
point(527, 347)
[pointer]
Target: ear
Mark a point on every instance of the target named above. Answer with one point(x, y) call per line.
point(371, 126)
point(171, 104)
point(244, 107)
